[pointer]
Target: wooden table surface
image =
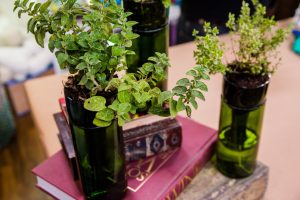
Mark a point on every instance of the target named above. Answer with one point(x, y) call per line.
point(280, 142)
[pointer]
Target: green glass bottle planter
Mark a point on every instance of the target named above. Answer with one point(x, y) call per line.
point(152, 18)
point(146, 45)
point(150, 14)
point(99, 154)
point(240, 125)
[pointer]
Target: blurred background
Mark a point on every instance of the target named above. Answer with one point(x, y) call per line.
point(22, 59)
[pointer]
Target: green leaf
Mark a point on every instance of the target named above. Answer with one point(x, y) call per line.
point(131, 36)
point(155, 92)
point(117, 51)
point(173, 110)
point(20, 13)
point(39, 37)
point(45, 6)
point(141, 106)
point(205, 76)
point(145, 96)
point(100, 123)
point(198, 94)
point(81, 66)
point(127, 43)
point(24, 3)
point(31, 5)
point(142, 86)
point(69, 4)
point(65, 19)
point(123, 108)
point(148, 67)
point(113, 84)
point(113, 61)
point(95, 103)
point(106, 114)
point(124, 86)
point(179, 90)
point(165, 95)
point(180, 105)
point(36, 8)
point(159, 110)
point(153, 59)
point(101, 77)
point(192, 73)
point(131, 23)
point(202, 86)
point(183, 82)
point(51, 44)
point(133, 109)
point(61, 57)
point(115, 38)
point(188, 111)
point(115, 105)
point(126, 117)
point(89, 84)
point(121, 121)
point(124, 96)
point(83, 80)
point(167, 3)
point(31, 25)
point(194, 103)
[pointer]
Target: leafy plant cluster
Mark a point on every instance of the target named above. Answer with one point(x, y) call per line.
point(256, 38)
point(209, 51)
point(84, 38)
point(138, 91)
point(92, 41)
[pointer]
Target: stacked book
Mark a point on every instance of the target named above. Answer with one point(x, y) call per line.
point(145, 136)
point(160, 172)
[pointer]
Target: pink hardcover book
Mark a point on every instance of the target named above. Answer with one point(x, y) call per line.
point(160, 177)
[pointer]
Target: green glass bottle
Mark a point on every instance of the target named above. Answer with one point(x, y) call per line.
point(99, 154)
point(145, 46)
point(240, 125)
point(152, 18)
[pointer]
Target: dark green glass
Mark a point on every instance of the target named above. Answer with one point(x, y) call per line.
point(152, 18)
point(99, 154)
point(146, 45)
point(239, 129)
point(150, 14)
point(100, 161)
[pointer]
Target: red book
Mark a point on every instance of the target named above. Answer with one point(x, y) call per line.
point(160, 177)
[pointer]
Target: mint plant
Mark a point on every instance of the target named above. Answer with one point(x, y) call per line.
point(91, 41)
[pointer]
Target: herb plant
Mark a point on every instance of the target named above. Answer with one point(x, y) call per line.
point(91, 41)
point(254, 40)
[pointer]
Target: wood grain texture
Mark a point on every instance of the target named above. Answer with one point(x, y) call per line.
point(16, 161)
point(210, 184)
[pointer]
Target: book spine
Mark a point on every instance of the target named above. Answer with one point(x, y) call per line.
point(173, 191)
point(66, 142)
point(63, 107)
point(153, 143)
